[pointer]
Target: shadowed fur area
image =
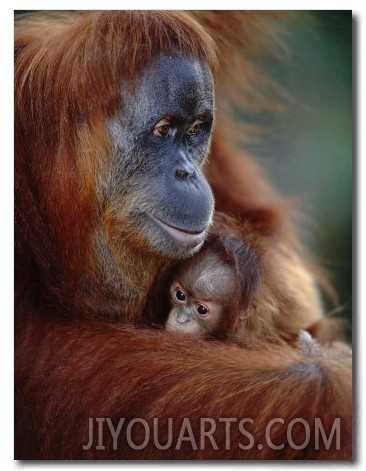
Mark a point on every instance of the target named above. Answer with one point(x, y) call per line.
point(124, 153)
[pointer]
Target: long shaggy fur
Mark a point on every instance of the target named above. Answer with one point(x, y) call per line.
point(71, 366)
point(87, 369)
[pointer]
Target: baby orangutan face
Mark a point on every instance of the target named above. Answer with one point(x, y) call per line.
point(200, 296)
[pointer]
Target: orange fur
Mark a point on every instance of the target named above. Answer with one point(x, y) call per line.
point(78, 353)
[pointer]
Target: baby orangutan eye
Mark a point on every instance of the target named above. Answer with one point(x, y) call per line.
point(180, 295)
point(201, 309)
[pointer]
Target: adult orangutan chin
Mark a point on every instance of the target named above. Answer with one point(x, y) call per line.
point(115, 114)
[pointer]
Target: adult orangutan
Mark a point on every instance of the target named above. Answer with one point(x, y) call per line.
point(115, 114)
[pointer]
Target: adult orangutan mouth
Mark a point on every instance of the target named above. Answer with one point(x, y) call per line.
point(184, 237)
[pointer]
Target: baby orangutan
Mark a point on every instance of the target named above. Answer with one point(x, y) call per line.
point(211, 290)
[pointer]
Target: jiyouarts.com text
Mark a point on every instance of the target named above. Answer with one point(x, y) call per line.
point(205, 433)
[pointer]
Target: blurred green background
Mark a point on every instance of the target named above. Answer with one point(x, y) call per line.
point(311, 156)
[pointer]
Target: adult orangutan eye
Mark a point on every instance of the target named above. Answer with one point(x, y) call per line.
point(162, 128)
point(195, 127)
point(201, 309)
point(180, 295)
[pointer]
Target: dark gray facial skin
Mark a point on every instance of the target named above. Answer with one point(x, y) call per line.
point(160, 140)
point(200, 296)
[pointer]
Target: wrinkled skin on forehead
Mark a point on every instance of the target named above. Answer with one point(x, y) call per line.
point(160, 139)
